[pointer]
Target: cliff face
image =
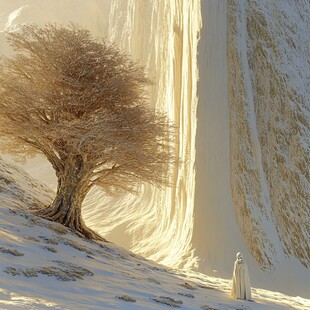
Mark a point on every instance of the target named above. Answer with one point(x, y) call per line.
point(269, 98)
point(162, 35)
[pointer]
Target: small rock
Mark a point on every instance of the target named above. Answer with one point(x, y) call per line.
point(187, 295)
point(49, 240)
point(12, 271)
point(205, 307)
point(76, 245)
point(188, 286)
point(126, 298)
point(207, 287)
point(28, 273)
point(32, 239)
point(9, 251)
point(49, 248)
point(168, 301)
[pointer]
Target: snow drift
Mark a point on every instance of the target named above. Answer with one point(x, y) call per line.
point(44, 265)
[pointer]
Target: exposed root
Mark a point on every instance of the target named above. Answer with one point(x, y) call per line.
point(88, 233)
point(78, 227)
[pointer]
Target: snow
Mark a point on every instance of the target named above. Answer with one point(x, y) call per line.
point(9, 24)
point(213, 201)
point(48, 260)
point(192, 225)
point(263, 130)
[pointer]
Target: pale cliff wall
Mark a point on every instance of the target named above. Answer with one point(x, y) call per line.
point(269, 97)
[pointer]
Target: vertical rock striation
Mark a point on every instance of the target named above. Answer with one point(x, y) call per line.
point(162, 35)
point(269, 97)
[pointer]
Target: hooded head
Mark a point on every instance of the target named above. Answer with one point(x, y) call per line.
point(239, 256)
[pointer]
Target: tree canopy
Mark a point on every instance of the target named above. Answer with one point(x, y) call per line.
point(83, 104)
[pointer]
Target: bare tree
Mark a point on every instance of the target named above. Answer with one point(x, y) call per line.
point(82, 104)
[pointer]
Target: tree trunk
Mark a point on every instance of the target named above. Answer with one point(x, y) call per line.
point(67, 205)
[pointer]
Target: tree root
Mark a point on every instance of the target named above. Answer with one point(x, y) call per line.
point(80, 229)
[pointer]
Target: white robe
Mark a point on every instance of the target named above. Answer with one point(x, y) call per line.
point(241, 286)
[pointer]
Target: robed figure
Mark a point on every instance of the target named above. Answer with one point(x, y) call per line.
point(241, 286)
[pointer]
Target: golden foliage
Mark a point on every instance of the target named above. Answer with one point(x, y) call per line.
point(82, 103)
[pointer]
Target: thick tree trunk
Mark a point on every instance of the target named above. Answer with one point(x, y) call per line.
point(67, 205)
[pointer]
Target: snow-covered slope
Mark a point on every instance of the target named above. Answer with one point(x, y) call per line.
point(43, 265)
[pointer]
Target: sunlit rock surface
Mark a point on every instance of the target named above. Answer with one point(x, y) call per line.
point(163, 35)
point(269, 97)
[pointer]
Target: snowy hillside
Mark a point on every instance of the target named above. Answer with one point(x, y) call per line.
point(43, 265)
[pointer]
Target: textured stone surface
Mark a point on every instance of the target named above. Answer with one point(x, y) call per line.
point(269, 67)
